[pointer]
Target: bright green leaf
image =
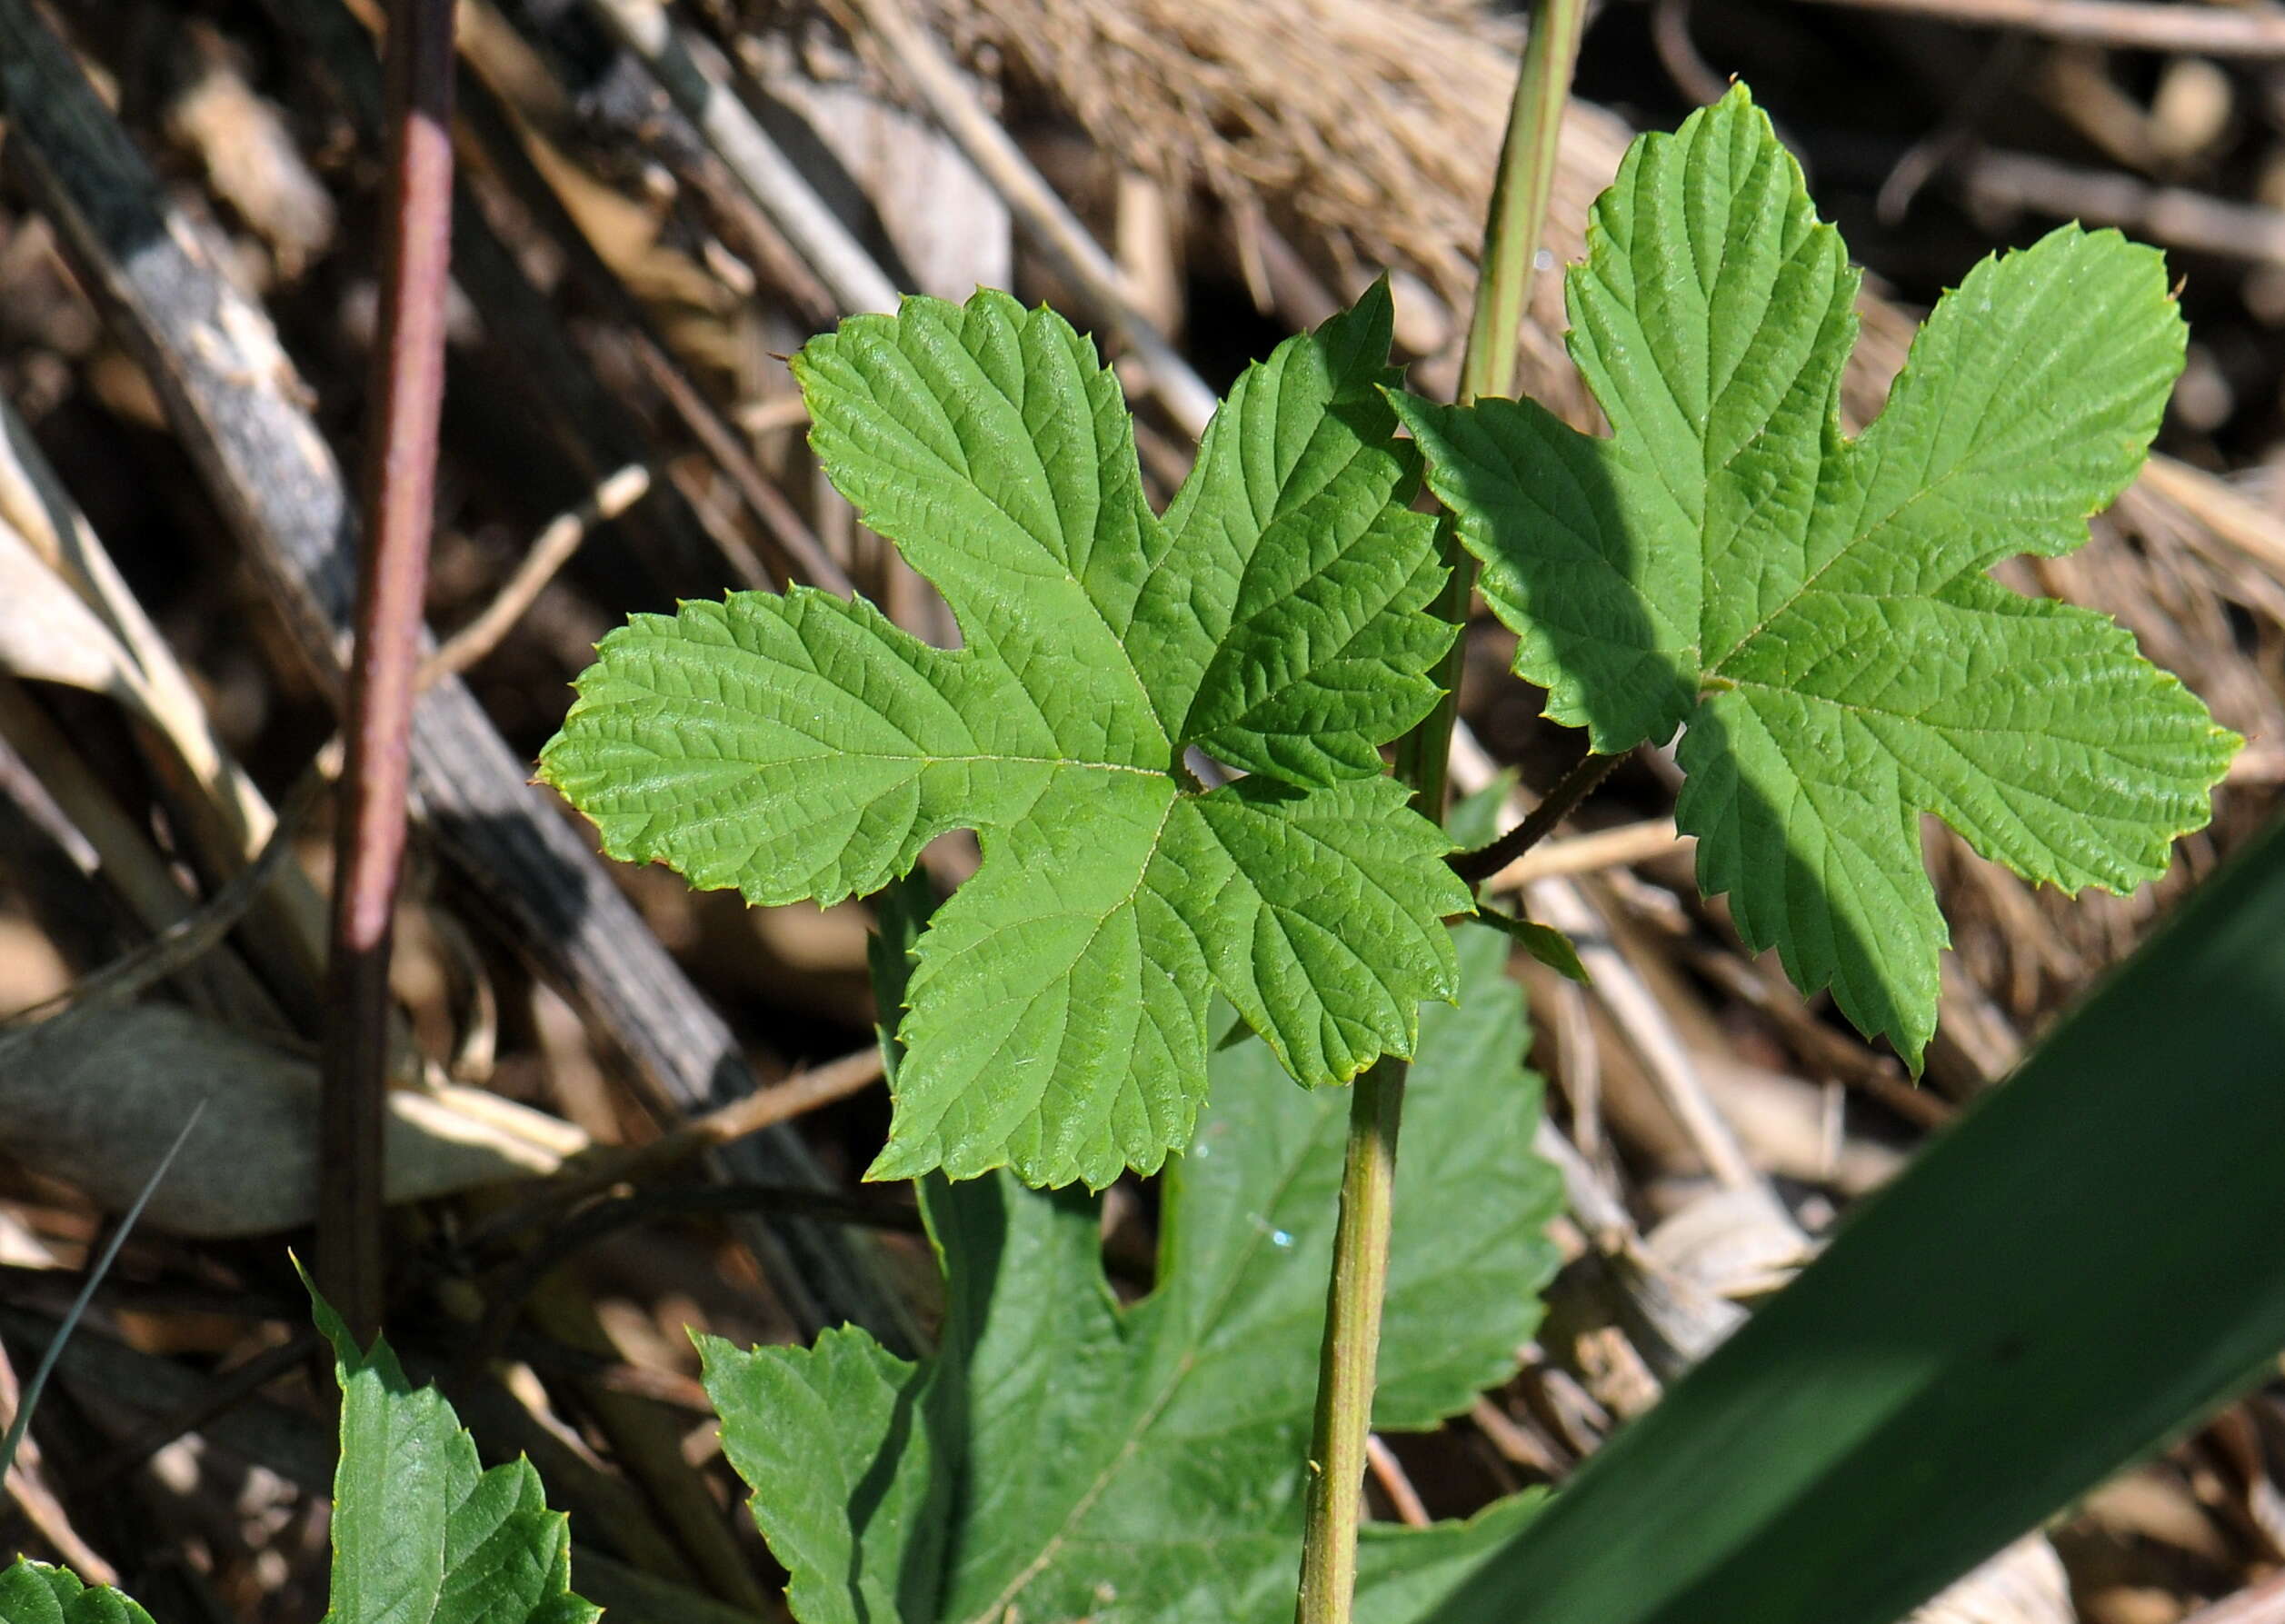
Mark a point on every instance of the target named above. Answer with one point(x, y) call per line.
point(1063, 1457)
point(421, 1533)
point(1815, 611)
point(1274, 618)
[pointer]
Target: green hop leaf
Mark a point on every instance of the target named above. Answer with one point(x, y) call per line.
point(421, 1533)
point(1274, 618)
point(1814, 611)
point(1062, 1457)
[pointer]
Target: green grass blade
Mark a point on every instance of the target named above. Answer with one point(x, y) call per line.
point(29, 1398)
point(2089, 1262)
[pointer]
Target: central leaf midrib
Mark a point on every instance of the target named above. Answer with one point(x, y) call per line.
point(991, 757)
point(1849, 451)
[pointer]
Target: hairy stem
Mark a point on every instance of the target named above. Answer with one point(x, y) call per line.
point(1360, 1244)
point(399, 495)
point(1477, 866)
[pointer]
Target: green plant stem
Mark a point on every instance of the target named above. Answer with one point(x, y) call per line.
point(1360, 1243)
point(1477, 866)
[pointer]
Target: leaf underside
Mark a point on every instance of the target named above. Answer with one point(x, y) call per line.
point(1274, 618)
point(1062, 1457)
point(1815, 611)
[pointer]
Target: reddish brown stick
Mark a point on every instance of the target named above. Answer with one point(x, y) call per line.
point(400, 489)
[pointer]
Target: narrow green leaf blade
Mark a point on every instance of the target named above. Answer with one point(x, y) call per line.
point(2088, 1263)
point(421, 1533)
point(1816, 610)
point(1147, 1462)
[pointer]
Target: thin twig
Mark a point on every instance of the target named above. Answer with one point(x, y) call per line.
point(1044, 216)
point(504, 153)
point(550, 550)
point(234, 401)
point(1516, 1444)
point(1389, 1472)
point(2171, 216)
point(1827, 1051)
point(678, 546)
point(2188, 30)
point(764, 1108)
point(798, 1095)
point(607, 1218)
point(796, 541)
point(1635, 1011)
point(549, 1357)
point(774, 415)
point(126, 976)
point(1621, 847)
point(2229, 512)
point(232, 1386)
point(400, 495)
point(1633, 1008)
point(229, 819)
point(1577, 785)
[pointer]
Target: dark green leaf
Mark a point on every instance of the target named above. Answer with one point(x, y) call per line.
point(2090, 1262)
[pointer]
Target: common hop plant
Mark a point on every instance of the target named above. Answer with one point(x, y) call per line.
point(1273, 621)
point(1815, 613)
point(1061, 1455)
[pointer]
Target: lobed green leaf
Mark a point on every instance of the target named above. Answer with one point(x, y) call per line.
point(1814, 612)
point(1274, 618)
